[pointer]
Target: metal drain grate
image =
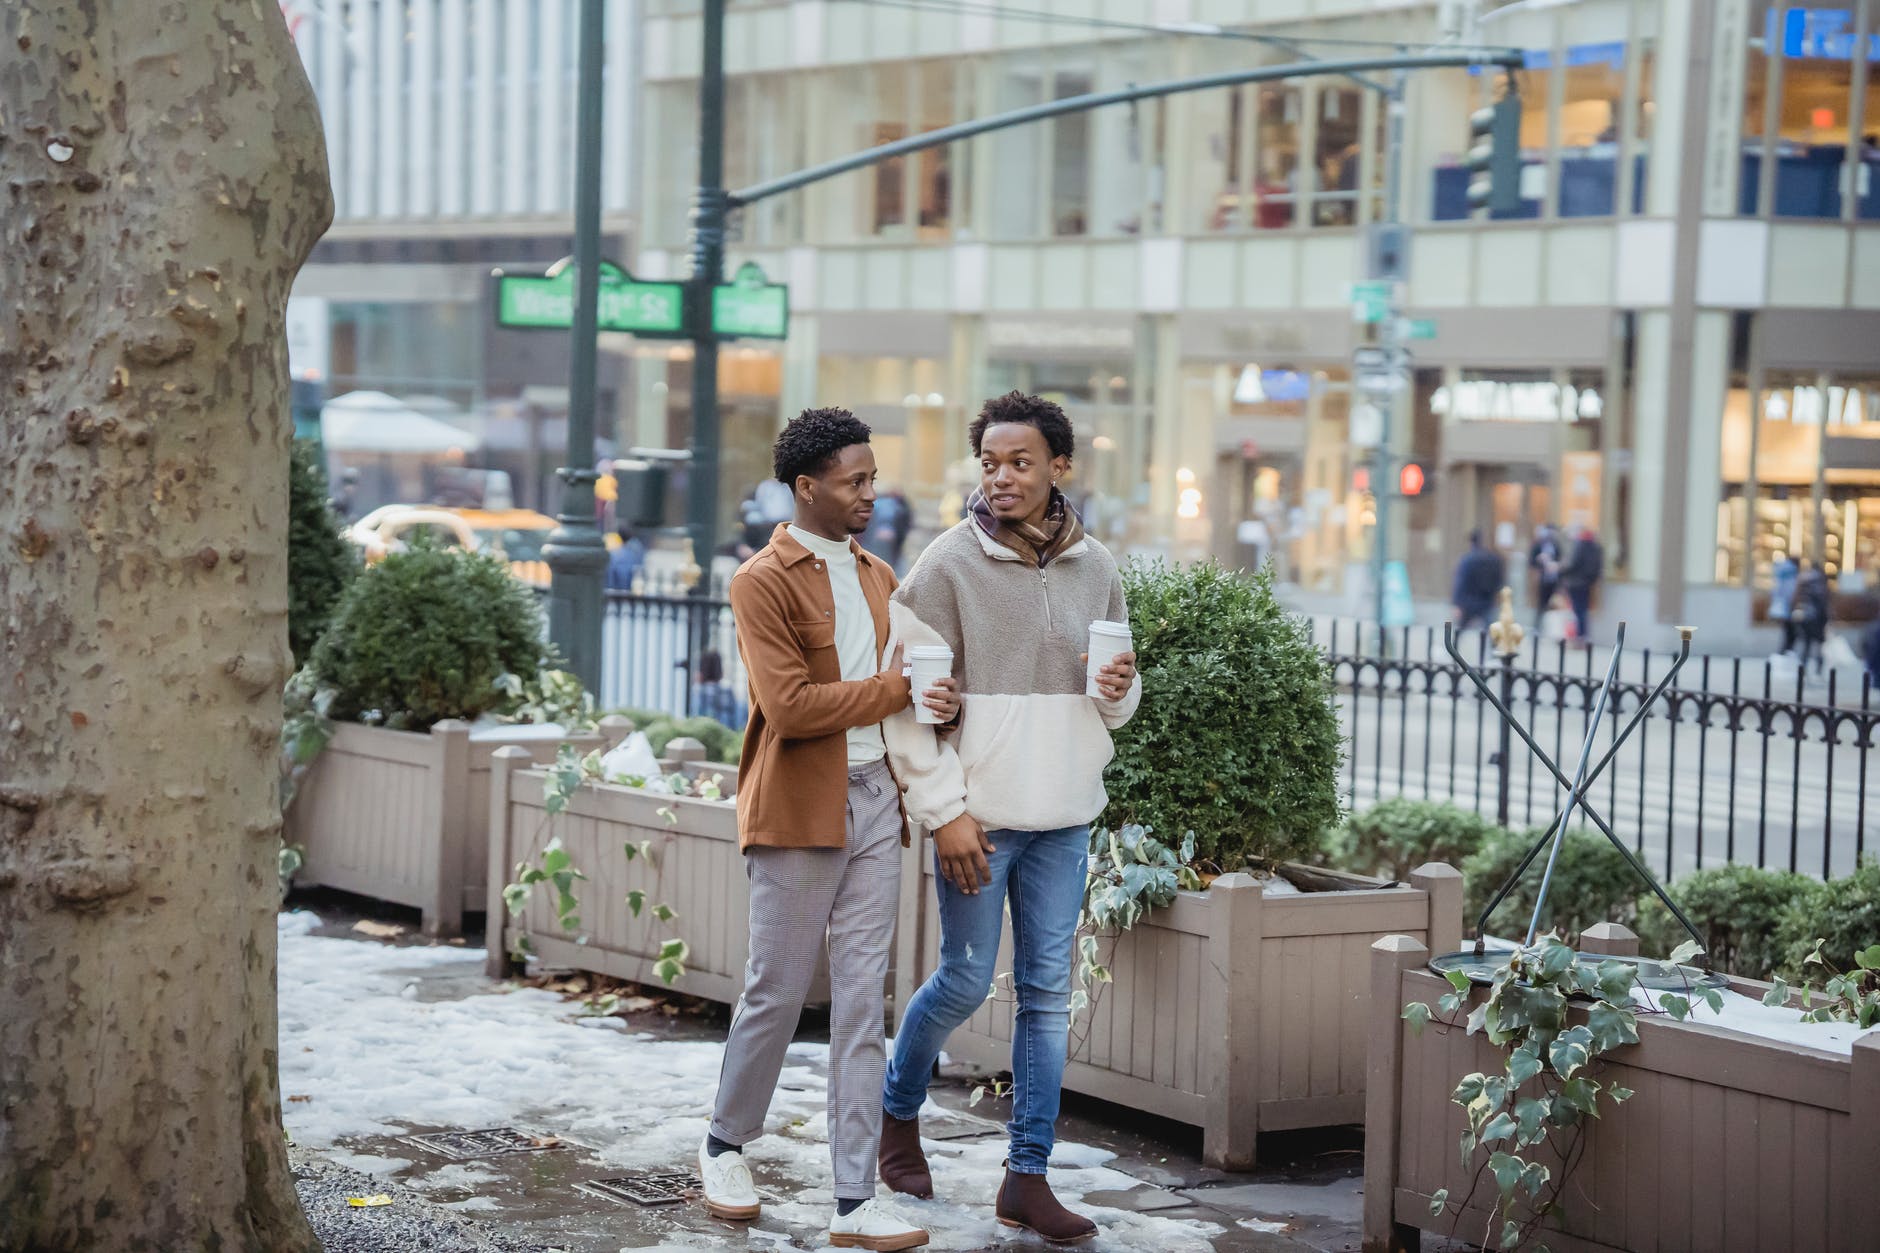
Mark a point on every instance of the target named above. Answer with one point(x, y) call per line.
point(463, 1146)
point(646, 1189)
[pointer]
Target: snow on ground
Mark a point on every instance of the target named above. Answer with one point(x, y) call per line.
point(375, 1060)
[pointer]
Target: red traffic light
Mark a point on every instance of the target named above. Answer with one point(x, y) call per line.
point(1410, 479)
point(1361, 479)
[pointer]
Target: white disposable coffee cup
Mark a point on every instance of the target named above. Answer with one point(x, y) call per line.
point(927, 664)
point(1108, 641)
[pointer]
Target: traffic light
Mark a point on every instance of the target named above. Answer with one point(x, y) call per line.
point(1495, 155)
point(1410, 479)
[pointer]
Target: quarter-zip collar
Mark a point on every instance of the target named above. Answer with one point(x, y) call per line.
point(999, 552)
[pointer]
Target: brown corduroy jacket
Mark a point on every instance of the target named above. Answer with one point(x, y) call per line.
point(793, 780)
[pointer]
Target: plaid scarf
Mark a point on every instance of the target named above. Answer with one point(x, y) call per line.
point(1039, 545)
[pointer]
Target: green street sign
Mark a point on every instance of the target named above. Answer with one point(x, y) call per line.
point(525, 302)
point(1370, 301)
point(751, 307)
point(1419, 328)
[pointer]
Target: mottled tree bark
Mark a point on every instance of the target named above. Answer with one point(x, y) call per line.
point(162, 178)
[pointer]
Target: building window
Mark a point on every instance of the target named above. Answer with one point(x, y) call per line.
point(1590, 118)
point(1070, 158)
point(1336, 154)
point(1017, 173)
point(1276, 155)
point(1803, 151)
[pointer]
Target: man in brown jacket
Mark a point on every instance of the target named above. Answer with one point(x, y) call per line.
point(820, 822)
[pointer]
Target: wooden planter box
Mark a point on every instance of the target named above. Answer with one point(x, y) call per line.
point(403, 816)
point(1230, 1010)
point(697, 869)
point(1731, 1141)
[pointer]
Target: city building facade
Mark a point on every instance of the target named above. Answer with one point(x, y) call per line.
point(1677, 345)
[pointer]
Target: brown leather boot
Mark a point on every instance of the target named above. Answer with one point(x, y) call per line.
point(1027, 1202)
point(903, 1165)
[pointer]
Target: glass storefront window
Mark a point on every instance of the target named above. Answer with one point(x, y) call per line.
point(1590, 119)
point(1070, 158)
point(1867, 167)
point(1017, 171)
point(1803, 147)
point(936, 106)
point(1336, 155)
point(1276, 155)
point(886, 181)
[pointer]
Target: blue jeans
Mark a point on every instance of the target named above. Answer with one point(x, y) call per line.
point(1042, 875)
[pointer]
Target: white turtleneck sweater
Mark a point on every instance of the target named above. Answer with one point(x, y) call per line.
point(855, 633)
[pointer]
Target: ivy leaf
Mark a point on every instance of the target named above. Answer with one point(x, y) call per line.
point(1535, 1177)
point(1529, 1114)
point(1675, 1005)
point(1511, 1234)
point(1500, 1127)
point(1714, 999)
point(1571, 1050)
point(630, 850)
point(1579, 1095)
point(1778, 994)
point(1556, 960)
point(1468, 1090)
point(1868, 958)
point(668, 970)
point(555, 858)
point(1438, 1199)
point(1080, 1001)
point(1611, 1026)
point(1417, 1014)
point(636, 901)
point(1685, 951)
point(1506, 1168)
point(516, 897)
point(1619, 1094)
point(1614, 981)
point(674, 950)
point(1460, 981)
point(1523, 1064)
point(1450, 1002)
point(979, 1094)
point(664, 912)
point(1468, 1148)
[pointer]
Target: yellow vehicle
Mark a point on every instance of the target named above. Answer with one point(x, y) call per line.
point(516, 535)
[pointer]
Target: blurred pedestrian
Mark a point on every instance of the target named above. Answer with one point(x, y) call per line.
point(624, 566)
point(1811, 613)
point(1870, 651)
point(1544, 560)
point(1478, 584)
point(1585, 567)
point(1782, 599)
point(712, 697)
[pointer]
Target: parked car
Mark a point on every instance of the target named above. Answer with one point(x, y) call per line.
point(516, 535)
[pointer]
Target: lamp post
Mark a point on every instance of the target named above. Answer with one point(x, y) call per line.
point(575, 552)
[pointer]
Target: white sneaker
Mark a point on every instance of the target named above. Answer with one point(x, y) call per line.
point(874, 1225)
point(729, 1192)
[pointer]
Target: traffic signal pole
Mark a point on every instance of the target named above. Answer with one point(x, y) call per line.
point(575, 552)
point(1390, 338)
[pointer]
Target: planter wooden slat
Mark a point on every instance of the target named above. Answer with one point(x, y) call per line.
point(698, 869)
point(403, 816)
point(1731, 1141)
point(1229, 1010)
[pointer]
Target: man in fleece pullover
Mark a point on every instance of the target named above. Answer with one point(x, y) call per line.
point(1010, 792)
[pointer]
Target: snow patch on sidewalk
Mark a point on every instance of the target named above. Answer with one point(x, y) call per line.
point(373, 1061)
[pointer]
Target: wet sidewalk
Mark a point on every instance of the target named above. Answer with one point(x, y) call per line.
point(627, 1097)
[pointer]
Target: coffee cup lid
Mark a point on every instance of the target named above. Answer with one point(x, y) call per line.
point(929, 652)
point(1109, 628)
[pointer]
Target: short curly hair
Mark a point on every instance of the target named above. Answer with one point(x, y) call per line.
point(813, 440)
point(1016, 407)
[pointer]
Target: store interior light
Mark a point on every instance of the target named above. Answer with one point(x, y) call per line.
point(911, 400)
point(1103, 443)
point(1190, 504)
point(935, 400)
point(1184, 476)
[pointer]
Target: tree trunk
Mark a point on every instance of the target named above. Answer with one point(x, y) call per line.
point(164, 178)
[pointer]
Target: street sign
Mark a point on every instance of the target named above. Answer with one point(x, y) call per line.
point(525, 302)
point(1418, 328)
point(1370, 301)
point(1380, 371)
point(1399, 608)
point(1367, 425)
point(750, 306)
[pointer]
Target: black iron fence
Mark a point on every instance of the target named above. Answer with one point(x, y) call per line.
point(1741, 760)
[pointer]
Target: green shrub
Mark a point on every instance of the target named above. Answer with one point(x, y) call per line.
point(721, 742)
point(320, 563)
point(1592, 883)
point(1394, 837)
point(1237, 738)
point(425, 635)
point(1736, 908)
point(1844, 912)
